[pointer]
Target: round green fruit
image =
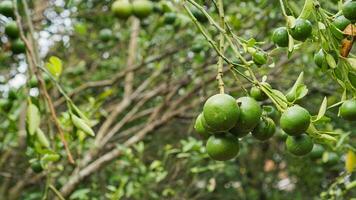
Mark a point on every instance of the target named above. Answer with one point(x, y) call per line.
point(200, 127)
point(341, 22)
point(259, 58)
point(319, 59)
point(280, 37)
point(7, 8)
point(250, 114)
point(302, 29)
point(11, 30)
point(258, 94)
point(105, 35)
point(18, 46)
point(330, 159)
point(221, 112)
point(264, 130)
point(349, 10)
point(222, 147)
point(348, 110)
point(122, 9)
point(295, 120)
point(272, 113)
point(36, 167)
point(170, 17)
point(142, 8)
point(317, 152)
point(299, 145)
point(199, 15)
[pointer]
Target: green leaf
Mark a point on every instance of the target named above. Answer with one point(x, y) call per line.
point(352, 62)
point(42, 139)
point(302, 90)
point(82, 125)
point(331, 61)
point(33, 118)
point(322, 109)
point(50, 157)
point(54, 66)
point(290, 43)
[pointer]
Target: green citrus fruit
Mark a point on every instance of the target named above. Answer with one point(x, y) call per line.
point(199, 15)
point(11, 30)
point(302, 29)
point(142, 8)
point(319, 59)
point(200, 126)
point(349, 10)
point(258, 94)
point(317, 152)
point(280, 37)
point(330, 159)
point(348, 110)
point(272, 113)
point(105, 35)
point(281, 135)
point(295, 120)
point(265, 129)
point(222, 147)
point(18, 46)
point(7, 8)
point(259, 58)
point(122, 9)
point(299, 145)
point(221, 112)
point(250, 114)
point(36, 167)
point(341, 22)
point(170, 18)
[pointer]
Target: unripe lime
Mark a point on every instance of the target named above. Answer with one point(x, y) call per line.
point(317, 152)
point(299, 145)
point(122, 9)
point(11, 30)
point(169, 18)
point(349, 10)
point(319, 59)
point(142, 8)
point(105, 34)
point(200, 126)
point(348, 110)
point(250, 114)
point(36, 167)
point(295, 120)
point(280, 37)
point(18, 46)
point(330, 159)
point(259, 58)
point(199, 15)
point(265, 129)
point(222, 147)
point(221, 112)
point(302, 29)
point(258, 94)
point(7, 8)
point(341, 22)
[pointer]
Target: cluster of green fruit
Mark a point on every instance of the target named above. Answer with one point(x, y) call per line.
point(123, 9)
point(11, 28)
point(225, 119)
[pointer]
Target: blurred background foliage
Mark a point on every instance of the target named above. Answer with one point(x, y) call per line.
point(170, 162)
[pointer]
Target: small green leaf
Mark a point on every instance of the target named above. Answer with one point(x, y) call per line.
point(42, 139)
point(82, 125)
point(330, 60)
point(290, 43)
point(33, 119)
point(322, 109)
point(302, 90)
point(50, 157)
point(54, 66)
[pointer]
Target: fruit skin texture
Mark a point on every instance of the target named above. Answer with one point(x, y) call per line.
point(18, 46)
point(122, 9)
point(222, 147)
point(105, 35)
point(7, 8)
point(272, 113)
point(349, 10)
point(295, 120)
point(221, 112)
point(250, 114)
point(299, 145)
point(258, 94)
point(302, 29)
point(348, 110)
point(11, 30)
point(280, 37)
point(265, 129)
point(317, 152)
point(200, 126)
point(259, 58)
point(142, 8)
point(341, 22)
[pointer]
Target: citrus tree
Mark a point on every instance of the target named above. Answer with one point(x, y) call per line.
point(139, 99)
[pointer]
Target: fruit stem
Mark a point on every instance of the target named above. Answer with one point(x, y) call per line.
point(221, 48)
